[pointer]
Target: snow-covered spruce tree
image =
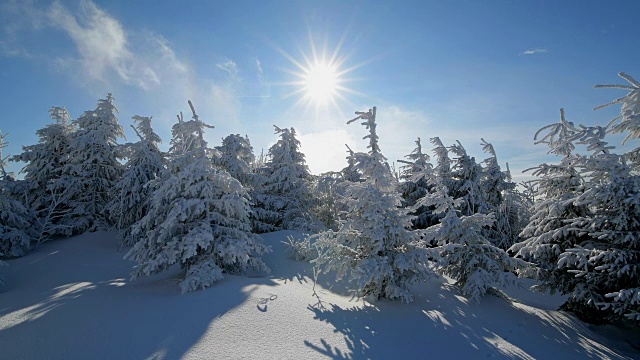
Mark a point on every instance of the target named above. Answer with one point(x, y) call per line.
point(235, 155)
point(92, 169)
point(198, 217)
point(237, 158)
point(45, 160)
point(133, 190)
point(629, 119)
point(375, 245)
point(442, 175)
point(287, 186)
point(549, 233)
point(350, 173)
point(18, 224)
point(417, 174)
point(500, 198)
point(464, 253)
point(466, 174)
point(607, 266)
point(327, 189)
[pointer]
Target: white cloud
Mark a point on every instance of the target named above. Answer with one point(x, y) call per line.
point(104, 49)
point(230, 68)
point(534, 51)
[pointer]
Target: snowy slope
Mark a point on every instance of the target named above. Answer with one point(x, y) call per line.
point(72, 299)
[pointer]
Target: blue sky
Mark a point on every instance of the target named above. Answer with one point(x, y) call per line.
point(460, 70)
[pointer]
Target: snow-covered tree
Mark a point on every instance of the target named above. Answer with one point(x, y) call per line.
point(466, 174)
point(45, 160)
point(464, 253)
point(442, 171)
point(18, 225)
point(375, 245)
point(328, 189)
point(235, 155)
point(350, 173)
point(198, 217)
point(417, 174)
point(606, 266)
point(550, 233)
point(92, 169)
point(501, 198)
point(629, 119)
point(287, 186)
point(133, 190)
point(237, 158)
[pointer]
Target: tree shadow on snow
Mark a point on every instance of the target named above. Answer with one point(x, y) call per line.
point(93, 311)
point(440, 323)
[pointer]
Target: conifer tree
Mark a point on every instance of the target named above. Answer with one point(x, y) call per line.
point(133, 190)
point(465, 184)
point(18, 225)
point(46, 159)
point(237, 158)
point(93, 168)
point(287, 185)
point(464, 253)
point(375, 245)
point(500, 197)
point(198, 217)
point(607, 265)
point(417, 173)
point(549, 233)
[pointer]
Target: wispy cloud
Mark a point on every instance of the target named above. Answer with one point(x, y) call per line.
point(535, 51)
point(104, 48)
point(230, 68)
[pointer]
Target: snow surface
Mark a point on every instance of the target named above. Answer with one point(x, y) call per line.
point(72, 298)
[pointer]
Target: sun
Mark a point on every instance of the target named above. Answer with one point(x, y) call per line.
point(321, 83)
point(320, 78)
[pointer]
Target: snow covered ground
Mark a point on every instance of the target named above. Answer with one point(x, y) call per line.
point(72, 298)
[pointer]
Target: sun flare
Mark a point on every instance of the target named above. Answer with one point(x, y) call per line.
point(320, 78)
point(321, 83)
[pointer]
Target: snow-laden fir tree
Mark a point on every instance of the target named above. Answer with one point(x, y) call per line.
point(607, 266)
point(328, 188)
point(417, 173)
point(198, 217)
point(92, 169)
point(45, 160)
point(629, 119)
point(18, 224)
point(237, 158)
point(235, 155)
point(466, 175)
point(375, 245)
point(133, 190)
point(500, 197)
point(442, 175)
point(287, 186)
point(464, 253)
point(549, 233)
point(350, 173)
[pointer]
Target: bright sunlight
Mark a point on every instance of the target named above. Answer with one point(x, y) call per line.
point(321, 83)
point(320, 78)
